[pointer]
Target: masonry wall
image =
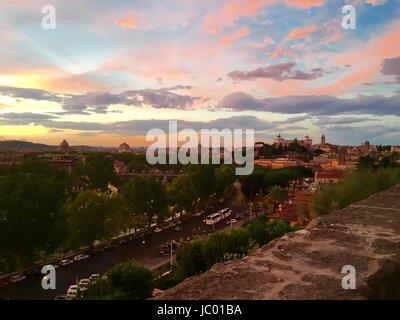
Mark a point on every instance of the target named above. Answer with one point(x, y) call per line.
point(307, 264)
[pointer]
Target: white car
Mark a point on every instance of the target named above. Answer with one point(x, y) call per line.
point(94, 277)
point(17, 278)
point(156, 230)
point(80, 257)
point(65, 262)
point(72, 291)
point(84, 283)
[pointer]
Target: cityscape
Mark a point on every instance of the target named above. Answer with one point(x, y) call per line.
point(280, 178)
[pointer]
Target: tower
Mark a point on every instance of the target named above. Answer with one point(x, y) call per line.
point(323, 140)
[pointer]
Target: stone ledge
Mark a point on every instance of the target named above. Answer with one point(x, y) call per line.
point(306, 264)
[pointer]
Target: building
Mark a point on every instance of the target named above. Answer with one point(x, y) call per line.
point(278, 163)
point(328, 176)
point(124, 147)
point(323, 140)
point(288, 213)
point(306, 141)
point(64, 146)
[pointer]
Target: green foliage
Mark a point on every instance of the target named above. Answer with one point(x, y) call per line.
point(96, 172)
point(125, 281)
point(263, 178)
point(190, 259)
point(145, 196)
point(30, 197)
point(193, 188)
point(356, 186)
point(198, 256)
point(93, 215)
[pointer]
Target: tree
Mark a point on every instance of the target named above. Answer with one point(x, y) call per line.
point(366, 162)
point(192, 189)
point(93, 215)
point(96, 172)
point(30, 221)
point(190, 259)
point(145, 196)
point(276, 195)
point(225, 177)
point(277, 228)
point(125, 281)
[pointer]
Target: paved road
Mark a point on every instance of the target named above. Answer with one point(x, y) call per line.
point(147, 254)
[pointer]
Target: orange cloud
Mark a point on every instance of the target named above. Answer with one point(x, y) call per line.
point(305, 4)
point(131, 21)
point(228, 40)
point(299, 33)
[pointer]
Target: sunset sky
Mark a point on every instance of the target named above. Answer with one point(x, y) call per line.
point(111, 70)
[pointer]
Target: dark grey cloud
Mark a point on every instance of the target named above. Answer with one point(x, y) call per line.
point(98, 102)
point(279, 72)
point(136, 127)
point(325, 121)
point(313, 105)
point(391, 67)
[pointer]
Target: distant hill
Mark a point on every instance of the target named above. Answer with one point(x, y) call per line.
point(16, 144)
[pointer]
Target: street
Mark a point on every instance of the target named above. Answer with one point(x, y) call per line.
point(147, 254)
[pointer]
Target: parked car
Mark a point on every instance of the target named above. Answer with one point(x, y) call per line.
point(158, 229)
point(94, 277)
point(65, 262)
point(177, 228)
point(123, 241)
point(17, 278)
point(3, 284)
point(84, 283)
point(81, 257)
point(198, 213)
point(239, 216)
point(36, 273)
point(109, 247)
point(72, 292)
point(231, 221)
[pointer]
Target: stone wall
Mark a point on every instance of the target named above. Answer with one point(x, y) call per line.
point(307, 264)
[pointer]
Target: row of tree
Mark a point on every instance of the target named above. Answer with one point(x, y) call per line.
point(45, 211)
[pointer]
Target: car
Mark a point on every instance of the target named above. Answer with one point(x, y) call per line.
point(84, 283)
point(94, 277)
point(198, 213)
point(72, 292)
point(158, 229)
point(17, 278)
point(62, 297)
point(231, 221)
point(239, 216)
point(97, 251)
point(81, 257)
point(3, 284)
point(109, 247)
point(65, 262)
point(36, 273)
point(177, 228)
point(123, 241)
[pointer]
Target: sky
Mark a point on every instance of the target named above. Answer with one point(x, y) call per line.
point(112, 70)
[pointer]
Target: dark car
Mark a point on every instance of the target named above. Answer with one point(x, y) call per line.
point(239, 216)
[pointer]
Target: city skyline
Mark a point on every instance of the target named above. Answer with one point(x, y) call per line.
point(108, 74)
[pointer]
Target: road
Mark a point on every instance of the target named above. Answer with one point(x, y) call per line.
point(147, 254)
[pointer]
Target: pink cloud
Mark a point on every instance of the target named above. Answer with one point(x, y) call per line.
point(365, 61)
point(233, 10)
point(230, 39)
point(130, 21)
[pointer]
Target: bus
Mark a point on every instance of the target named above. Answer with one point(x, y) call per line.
point(218, 216)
